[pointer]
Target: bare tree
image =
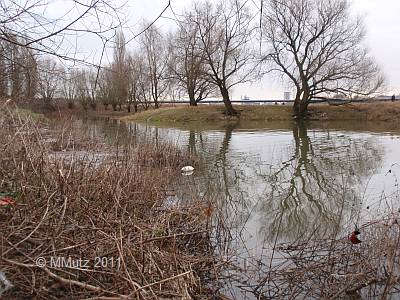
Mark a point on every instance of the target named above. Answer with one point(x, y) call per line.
point(30, 74)
point(119, 69)
point(156, 55)
point(188, 61)
point(82, 87)
point(136, 81)
point(69, 88)
point(225, 32)
point(104, 87)
point(18, 78)
point(317, 45)
point(27, 23)
point(15, 69)
point(3, 71)
point(50, 74)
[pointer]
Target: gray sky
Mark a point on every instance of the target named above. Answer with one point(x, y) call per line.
point(382, 39)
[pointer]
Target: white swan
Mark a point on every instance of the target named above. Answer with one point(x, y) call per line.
point(187, 169)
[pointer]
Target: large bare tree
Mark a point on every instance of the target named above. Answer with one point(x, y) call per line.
point(225, 32)
point(139, 92)
point(154, 47)
point(50, 75)
point(119, 69)
point(188, 61)
point(317, 45)
point(69, 89)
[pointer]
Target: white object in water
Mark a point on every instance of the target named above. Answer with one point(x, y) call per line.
point(187, 169)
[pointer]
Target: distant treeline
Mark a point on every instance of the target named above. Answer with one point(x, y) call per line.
point(314, 44)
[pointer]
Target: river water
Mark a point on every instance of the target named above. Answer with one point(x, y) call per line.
point(278, 182)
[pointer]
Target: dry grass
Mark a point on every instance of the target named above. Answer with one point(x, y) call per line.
point(77, 199)
point(374, 111)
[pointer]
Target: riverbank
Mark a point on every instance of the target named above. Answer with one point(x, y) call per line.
point(67, 193)
point(382, 112)
point(82, 218)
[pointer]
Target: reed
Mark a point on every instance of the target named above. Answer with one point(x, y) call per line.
point(78, 199)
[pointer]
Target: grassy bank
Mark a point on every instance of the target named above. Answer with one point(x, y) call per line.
point(385, 111)
point(66, 197)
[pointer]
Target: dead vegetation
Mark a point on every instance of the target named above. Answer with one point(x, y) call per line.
point(333, 268)
point(103, 218)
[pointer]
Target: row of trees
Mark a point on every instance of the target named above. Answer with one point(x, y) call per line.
point(315, 44)
point(18, 71)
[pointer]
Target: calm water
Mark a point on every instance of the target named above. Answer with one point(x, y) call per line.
point(279, 182)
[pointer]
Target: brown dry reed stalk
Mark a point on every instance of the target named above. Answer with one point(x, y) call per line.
point(77, 199)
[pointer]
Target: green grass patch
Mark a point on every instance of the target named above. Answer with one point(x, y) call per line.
point(211, 113)
point(388, 112)
point(26, 113)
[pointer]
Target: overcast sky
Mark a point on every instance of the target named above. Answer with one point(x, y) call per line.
point(381, 21)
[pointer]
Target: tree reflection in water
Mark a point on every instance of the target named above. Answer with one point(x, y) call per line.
point(315, 190)
point(262, 192)
point(316, 182)
point(320, 184)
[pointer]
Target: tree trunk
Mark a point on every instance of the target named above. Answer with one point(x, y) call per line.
point(228, 104)
point(192, 100)
point(301, 104)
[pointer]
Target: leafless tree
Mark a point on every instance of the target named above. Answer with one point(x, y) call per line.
point(156, 56)
point(50, 74)
point(69, 88)
point(119, 73)
point(30, 74)
point(27, 23)
point(188, 61)
point(225, 32)
point(18, 66)
point(104, 82)
point(317, 45)
point(3, 72)
point(83, 88)
point(136, 80)
point(27, 29)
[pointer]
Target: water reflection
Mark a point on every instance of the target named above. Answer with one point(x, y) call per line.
point(319, 186)
point(312, 183)
point(275, 181)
